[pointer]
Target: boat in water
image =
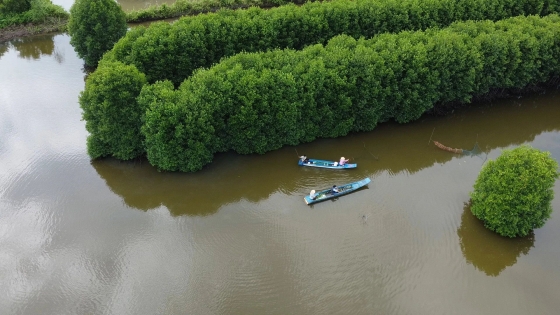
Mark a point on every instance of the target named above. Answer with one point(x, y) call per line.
point(327, 194)
point(325, 164)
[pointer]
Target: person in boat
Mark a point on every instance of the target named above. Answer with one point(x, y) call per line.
point(313, 195)
point(343, 161)
point(334, 189)
point(305, 159)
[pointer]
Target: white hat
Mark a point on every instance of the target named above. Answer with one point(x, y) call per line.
point(343, 158)
point(312, 192)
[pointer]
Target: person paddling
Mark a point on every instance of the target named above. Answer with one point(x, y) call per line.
point(305, 159)
point(334, 189)
point(312, 195)
point(343, 161)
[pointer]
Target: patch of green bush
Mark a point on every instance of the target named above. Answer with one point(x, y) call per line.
point(40, 11)
point(14, 6)
point(112, 115)
point(512, 195)
point(95, 26)
point(171, 126)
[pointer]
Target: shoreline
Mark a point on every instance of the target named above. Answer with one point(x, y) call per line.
point(18, 31)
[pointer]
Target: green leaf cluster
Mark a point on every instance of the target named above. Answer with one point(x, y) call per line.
point(95, 26)
point(512, 195)
point(14, 6)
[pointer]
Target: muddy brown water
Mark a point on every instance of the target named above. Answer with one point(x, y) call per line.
point(111, 237)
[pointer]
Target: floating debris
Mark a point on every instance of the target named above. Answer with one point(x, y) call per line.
point(446, 148)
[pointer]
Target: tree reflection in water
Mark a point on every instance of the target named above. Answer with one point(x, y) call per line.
point(202, 193)
point(487, 250)
point(33, 47)
point(3, 49)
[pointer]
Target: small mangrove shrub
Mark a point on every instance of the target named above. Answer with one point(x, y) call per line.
point(14, 6)
point(111, 113)
point(95, 26)
point(512, 195)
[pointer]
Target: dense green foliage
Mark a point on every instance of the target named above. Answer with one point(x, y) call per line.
point(95, 26)
point(513, 194)
point(40, 11)
point(173, 51)
point(14, 6)
point(112, 115)
point(257, 102)
point(401, 77)
point(189, 7)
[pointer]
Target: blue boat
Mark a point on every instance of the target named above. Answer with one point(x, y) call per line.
point(325, 164)
point(327, 194)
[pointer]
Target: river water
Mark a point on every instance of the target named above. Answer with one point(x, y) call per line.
point(110, 237)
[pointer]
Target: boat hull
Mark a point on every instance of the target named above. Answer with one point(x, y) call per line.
point(327, 194)
point(327, 164)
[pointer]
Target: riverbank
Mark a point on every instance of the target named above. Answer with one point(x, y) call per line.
point(41, 17)
point(30, 29)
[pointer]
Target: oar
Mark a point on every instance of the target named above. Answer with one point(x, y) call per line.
point(432, 135)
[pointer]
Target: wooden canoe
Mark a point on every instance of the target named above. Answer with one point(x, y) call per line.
point(327, 194)
point(326, 164)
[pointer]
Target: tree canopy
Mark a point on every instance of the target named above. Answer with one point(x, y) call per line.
point(513, 194)
point(14, 6)
point(95, 26)
point(117, 84)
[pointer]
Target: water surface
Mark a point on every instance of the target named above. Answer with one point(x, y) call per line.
point(111, 237)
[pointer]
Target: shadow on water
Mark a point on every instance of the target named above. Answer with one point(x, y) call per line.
point(230, 178)
point(488, 251)
point(391, 148)
point(142, 187)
